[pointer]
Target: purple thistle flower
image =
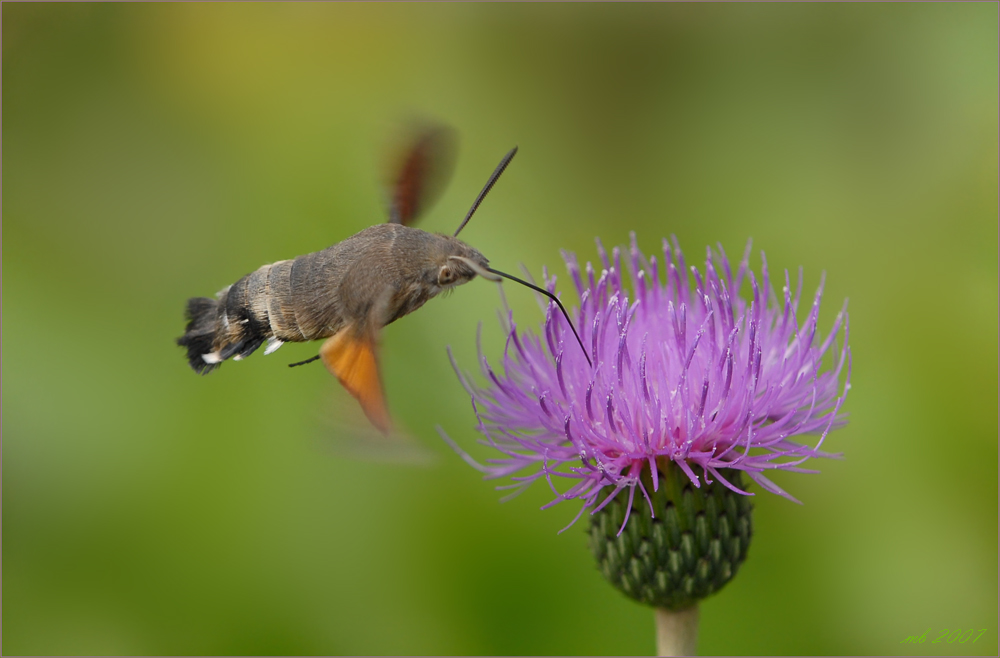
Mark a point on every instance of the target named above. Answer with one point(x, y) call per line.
point(684, 369)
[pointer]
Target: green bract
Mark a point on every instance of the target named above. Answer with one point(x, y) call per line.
point(691, 546)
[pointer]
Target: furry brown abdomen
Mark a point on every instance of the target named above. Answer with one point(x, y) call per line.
point(287, 301)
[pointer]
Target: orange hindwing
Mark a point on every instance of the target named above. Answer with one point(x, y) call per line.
point(351, 359)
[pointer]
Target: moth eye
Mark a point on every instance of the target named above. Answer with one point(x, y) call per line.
point(445, 276)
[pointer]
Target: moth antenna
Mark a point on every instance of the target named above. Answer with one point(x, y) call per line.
point(489, 186)
point(553, 298)
point(302, 363)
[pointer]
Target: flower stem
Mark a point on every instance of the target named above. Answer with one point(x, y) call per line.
point(677, 632)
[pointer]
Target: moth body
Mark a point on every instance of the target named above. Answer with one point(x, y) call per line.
point(365, 282)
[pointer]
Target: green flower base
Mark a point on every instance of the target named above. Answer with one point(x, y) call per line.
point(690, 548)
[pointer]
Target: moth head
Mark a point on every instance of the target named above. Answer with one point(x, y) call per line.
point(460, 265)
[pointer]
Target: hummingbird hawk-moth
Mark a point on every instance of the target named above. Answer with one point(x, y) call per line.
point(347, 292)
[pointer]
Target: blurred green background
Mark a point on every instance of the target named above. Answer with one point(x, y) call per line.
point(156, 152)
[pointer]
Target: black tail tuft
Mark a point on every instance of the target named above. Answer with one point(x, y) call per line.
point(202, 315)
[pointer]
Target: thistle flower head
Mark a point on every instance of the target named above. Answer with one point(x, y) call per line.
point(684, 370)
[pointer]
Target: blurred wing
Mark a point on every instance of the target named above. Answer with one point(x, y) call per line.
point(352, 360)
point(347, 433)
point(420, 171)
